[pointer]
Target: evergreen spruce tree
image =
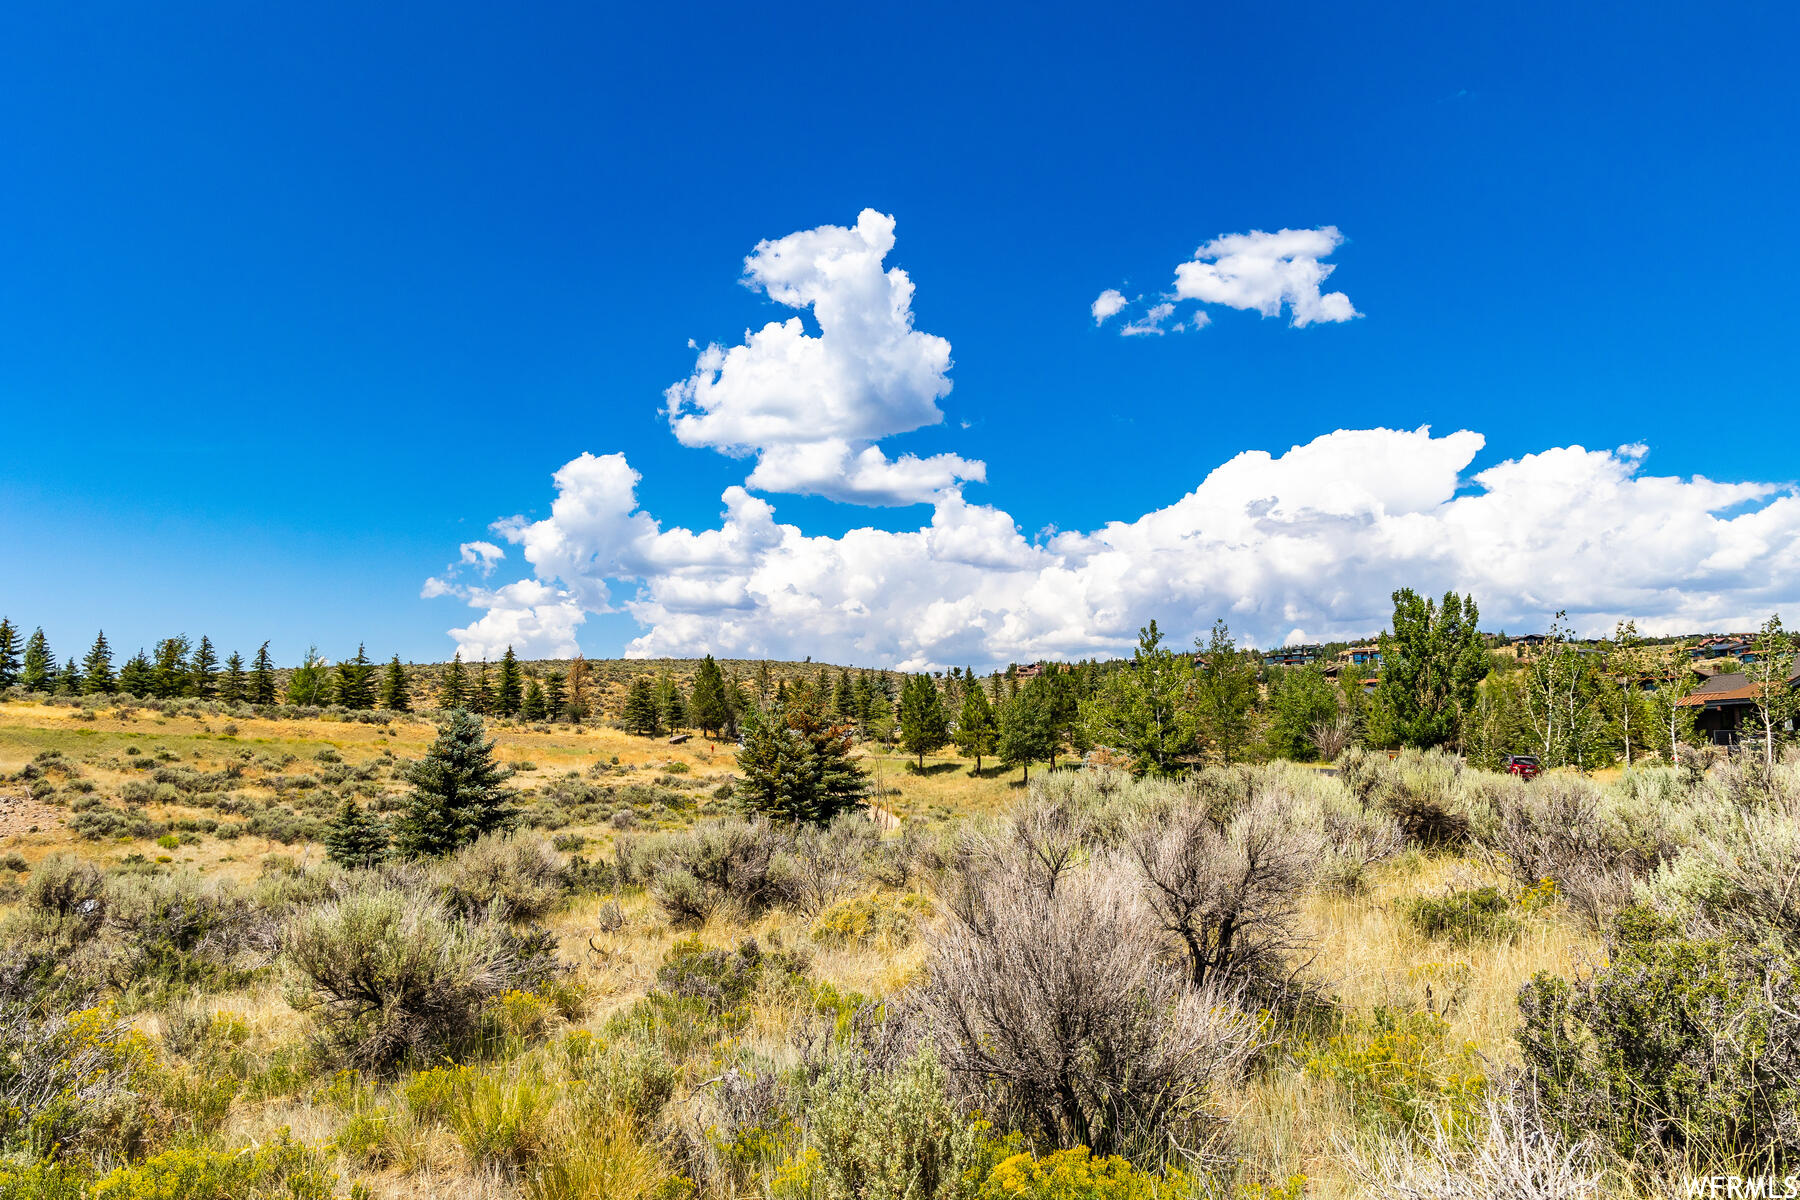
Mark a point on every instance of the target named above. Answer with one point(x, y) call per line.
point(642, 713)
point(509, 693)
point(395, 697)
point(708, 707)
point(262, 677)
point(674, 707)
point(68, 680)
point(355, 837)
point(843, 698)
point(454, 691)
point(9, 654)
point(172, 677)
point(38, 672)
point(203, 671)
point(923, 725)
point(234, 684)
point(481, 697)
point(356, 681)
point(556, 700)
point(96, 668)
point(137, 676)
point(456, 791)
point(977, 730)
point(531, 708)
point(1027, 732)
point(798, 768)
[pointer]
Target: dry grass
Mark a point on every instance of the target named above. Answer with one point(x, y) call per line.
point(1286, 1121)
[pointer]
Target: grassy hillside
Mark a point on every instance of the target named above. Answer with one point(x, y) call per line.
point(723, 1038)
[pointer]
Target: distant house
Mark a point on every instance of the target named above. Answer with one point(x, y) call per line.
point(1735, 646)
point(1029, 671)
point(1726, 702)
point(1361, 656)
point(1294, 656)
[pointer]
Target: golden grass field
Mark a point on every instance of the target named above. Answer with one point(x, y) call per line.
point(1287, 1121)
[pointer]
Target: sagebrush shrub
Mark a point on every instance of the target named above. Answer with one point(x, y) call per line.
point(873, 1135)
point(389, 973)
point(1052, 1003)
point(516, 875)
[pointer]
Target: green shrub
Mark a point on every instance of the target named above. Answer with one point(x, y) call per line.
point(883, 921)
point(1402, 1068)
point(281, 1170)
point(517, 877)
point(1682, 1045)
point(872, 1135)
point(389, 973)
point(1466, 915)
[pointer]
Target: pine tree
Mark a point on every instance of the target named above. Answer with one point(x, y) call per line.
point(707, 707)
point(977, 731)
point(203, 672)
point(481, 697)
point(68, 680)
point(262, 677)
point(454, 691)
point(137, 677)
point(798, 768)
point(395, 697)
point(509, 694)
point(233, 685)
point(843, 698)
point(642, 713)
point(9, 654)
point(923, 725)
point(171, 678)
point(355, 837)
point(556, 702)
point(356, 681)
point(96, 668)
point(1026, 732)
point(38, 674)
point(531, 708)
point(674, 706)
point(456, 791)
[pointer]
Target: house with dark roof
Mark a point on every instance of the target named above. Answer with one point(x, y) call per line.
point(1720, 647)
point(1727, 704)
point(1293, 656)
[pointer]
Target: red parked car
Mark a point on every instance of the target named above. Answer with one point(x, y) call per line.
point(1522, 765)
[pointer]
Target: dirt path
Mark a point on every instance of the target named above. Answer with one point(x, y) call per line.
point(20, 815)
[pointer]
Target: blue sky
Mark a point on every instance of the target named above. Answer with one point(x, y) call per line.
point(295, 301)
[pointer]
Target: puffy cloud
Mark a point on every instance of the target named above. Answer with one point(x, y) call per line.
point(1310, 540)
point(810, 408)
point(535, 619)
point(481, 555)
point(1107, 304)
point(1265, 271)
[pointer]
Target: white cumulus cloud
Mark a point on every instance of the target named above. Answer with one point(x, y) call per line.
point(481, 555)
point(1267, 272)
point(1107, 304)
point(1312, 539)
point(1262, 272)
point(811, 408)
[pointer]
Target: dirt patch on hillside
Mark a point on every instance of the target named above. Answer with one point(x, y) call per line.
point(19, 813)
